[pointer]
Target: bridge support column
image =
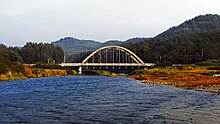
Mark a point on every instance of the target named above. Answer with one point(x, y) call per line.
point(80, 70)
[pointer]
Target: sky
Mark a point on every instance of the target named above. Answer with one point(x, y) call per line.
point(24, 21)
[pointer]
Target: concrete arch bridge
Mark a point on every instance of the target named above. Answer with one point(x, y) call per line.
point(110, 57)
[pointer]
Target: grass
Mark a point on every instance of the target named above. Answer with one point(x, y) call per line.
point(185, 76)
point(20, 71)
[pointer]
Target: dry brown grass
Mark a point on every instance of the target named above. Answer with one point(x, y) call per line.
point(187, 76)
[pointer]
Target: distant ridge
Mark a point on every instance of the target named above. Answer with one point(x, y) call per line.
point(70, 44)
point(199, 24)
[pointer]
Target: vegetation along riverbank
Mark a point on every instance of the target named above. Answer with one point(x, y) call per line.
point(206, 78)
point(21, 71)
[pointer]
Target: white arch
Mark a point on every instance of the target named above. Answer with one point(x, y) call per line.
point(132, 55)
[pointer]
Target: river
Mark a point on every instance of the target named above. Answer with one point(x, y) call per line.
point(101, 99)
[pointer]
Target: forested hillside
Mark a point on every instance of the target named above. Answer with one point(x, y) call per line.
point(199, 24)
point(193, 41)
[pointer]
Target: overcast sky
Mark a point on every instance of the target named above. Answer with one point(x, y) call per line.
point(49, 20)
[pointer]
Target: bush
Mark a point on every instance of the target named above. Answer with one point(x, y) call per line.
point(212, 62)
point(74, 72)
point(3, 77)
point(47, 66)
point(69, 71)
point(4, 68)
point(214, 68)
point(26, 71)
point(140, 71)
point(96, 72)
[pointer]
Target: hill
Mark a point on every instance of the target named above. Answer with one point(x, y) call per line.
point(199, 24)
point(70, 44)
point(76, 49)
point(193, 41)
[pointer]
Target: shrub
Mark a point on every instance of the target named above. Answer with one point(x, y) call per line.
point(47, 66)
point(74, 72)
point(140, 71)
point(4, 68)
point(3, 77)
point(214, 68)
point(96, 72)
point(212, 62)
point(26, 71)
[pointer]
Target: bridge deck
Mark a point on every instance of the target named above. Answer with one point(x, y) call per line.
point(106, 64)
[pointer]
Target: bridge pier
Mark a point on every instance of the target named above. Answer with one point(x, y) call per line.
point(80, 70)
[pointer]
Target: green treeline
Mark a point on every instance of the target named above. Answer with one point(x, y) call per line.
point(41, 53)
point(12, 59)
point(7, 58)
point(32, 53)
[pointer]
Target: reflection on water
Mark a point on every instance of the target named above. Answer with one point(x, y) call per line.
point(100, 99)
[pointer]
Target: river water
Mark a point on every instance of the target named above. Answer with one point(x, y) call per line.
point(101, 99)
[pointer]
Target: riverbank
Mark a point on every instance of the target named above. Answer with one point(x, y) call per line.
point(36, 73)
point(188, 77)
point(22, 71)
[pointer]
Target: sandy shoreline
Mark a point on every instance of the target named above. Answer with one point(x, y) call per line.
point(211, 88)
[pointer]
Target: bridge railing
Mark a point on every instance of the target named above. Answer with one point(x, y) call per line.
point(106, 64)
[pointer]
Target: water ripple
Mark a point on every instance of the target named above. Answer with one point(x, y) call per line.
point(101, 99)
